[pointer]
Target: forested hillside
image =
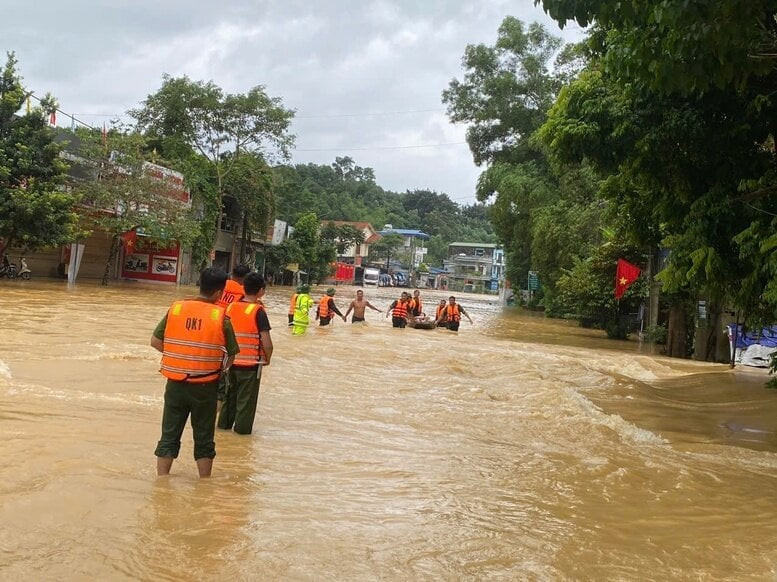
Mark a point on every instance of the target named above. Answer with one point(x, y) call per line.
point(345, 191)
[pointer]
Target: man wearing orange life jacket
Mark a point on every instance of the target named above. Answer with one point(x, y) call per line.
point(326, 307)
point(398, 311)
point(453, 313)
point(415, 307)
point(439, 317)
point(252, 329)
point(197, 344)
point(233, 291)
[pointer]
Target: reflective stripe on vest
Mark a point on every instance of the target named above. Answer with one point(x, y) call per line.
point(323, 306)
point(242, 315)
point(233, 291)
point(452, 312)
point(194, 347)
point(400, 309)
point(292, 304)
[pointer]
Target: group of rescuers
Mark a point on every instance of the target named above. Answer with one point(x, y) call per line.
point(215, 346)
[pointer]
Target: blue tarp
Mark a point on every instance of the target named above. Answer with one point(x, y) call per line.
point(766, 337)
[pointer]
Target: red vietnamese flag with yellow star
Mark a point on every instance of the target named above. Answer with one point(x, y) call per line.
point(625, 275)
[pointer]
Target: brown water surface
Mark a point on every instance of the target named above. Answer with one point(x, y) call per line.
point(519, 448)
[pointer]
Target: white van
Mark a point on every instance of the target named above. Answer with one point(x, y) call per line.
point(371, 276)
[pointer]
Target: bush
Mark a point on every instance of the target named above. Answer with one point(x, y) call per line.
point(655, 334)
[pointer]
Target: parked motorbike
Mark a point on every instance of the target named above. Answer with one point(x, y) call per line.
point(24, 271)
point(8, 269)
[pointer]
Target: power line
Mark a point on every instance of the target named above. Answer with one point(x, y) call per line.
point(366, 149)
point(367, 114)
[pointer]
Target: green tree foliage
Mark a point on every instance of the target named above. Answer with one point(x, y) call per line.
point(185, 115)
point(35, 210)
point(387, 247)
point(341, 237)
point(126, 194)
point(306, 247)
point(251, 183)
point(545, 215)
point(345, 191)
point(684, 46)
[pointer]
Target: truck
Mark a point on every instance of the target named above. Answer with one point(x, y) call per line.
point(371, 276)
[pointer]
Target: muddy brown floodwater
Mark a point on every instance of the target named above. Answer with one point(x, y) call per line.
point(519, 448)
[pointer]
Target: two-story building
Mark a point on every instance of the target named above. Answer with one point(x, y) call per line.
point(412, 243)
point(356, 254)
point(475, 267)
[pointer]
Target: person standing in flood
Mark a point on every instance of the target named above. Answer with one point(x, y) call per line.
point(398, 311)
point(198, 345)
point(453, 313)
point(439, 317)
point(415, 306)
point(233, 290)
point(292, 305)
point(302, 310)
point(359, 306)
point(252, 329)
point(326, 307)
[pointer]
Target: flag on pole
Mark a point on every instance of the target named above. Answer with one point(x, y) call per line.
point(625, 275)
point(53, 117)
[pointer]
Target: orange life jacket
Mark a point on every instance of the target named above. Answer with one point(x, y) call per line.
point(194, 345)
point(323, 307)
point(415, 306)
point(242, 315)
point(400, 309)
point(440, 311)
point(233, 291)
point(293, 304)
point(452, 312)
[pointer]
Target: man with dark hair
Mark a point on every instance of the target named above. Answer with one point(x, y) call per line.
point(326, 307)
point(398, 311)
point(252, 328)
point(453, 313)
point(233, 291)
point(359, 306)
point(198, 345)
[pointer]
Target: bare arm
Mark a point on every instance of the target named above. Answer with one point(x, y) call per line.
point(267, 345)
point(157, 343)
point(372, 307)
point(350, 308)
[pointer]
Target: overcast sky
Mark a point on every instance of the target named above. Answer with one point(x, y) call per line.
point(365, 77)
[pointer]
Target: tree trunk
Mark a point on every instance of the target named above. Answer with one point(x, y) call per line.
point(677, 333)
point(109, 265)
point(245, 235)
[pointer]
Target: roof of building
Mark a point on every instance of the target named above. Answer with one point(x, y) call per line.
point(359, 225)
point(478, 245)
point(405, 232)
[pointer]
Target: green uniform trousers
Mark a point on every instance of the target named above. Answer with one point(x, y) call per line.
point(239, 406)
point(181, 400)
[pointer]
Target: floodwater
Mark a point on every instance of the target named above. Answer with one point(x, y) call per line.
point(518, 449)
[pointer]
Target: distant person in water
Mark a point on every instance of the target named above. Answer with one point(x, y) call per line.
point(252, 329)
point(398, 311)
point(198, 345)
point(415, 307)
point(292, 306)
point(359, 306)
point(327, 307)
point(453, 313)
point(439, 317)
point(302, 310)
point(233, 291)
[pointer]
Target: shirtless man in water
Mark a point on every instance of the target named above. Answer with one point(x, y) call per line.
point(358, 306)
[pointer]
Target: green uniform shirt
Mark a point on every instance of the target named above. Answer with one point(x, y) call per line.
point(229, 335)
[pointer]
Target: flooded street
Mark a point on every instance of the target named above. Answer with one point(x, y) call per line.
point(519, 448)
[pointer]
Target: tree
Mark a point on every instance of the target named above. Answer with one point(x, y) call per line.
point(386, 247)
point(342, 237)
point(220, 126)
point(315, 255)
point(251, 183)
point(679, 46)
point(126, 195)
point(35, 210)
